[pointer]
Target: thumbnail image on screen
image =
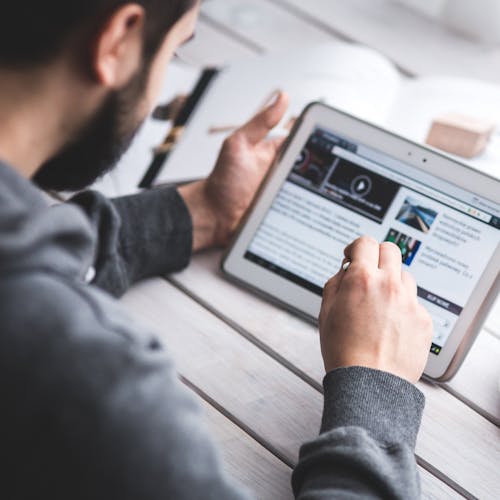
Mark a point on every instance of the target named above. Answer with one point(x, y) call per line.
point(415, 215)
point(409, 246)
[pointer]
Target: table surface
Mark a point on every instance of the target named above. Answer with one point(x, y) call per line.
point(257, 369)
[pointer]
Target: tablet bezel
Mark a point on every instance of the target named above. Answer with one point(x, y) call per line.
point(305, 302)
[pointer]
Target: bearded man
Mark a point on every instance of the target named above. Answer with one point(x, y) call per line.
point(91, 404)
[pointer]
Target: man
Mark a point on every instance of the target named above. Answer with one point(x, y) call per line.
point(91, 405)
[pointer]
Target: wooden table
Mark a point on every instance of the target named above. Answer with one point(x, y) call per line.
point(257, 369)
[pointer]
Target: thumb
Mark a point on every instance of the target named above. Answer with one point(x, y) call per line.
point(276, 143)
point(264, 121)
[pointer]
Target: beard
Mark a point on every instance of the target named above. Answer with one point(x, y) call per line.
point(98, 146)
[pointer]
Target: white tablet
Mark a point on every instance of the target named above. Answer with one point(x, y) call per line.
point(339, 178)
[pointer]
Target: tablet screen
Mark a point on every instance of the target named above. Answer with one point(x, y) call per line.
point(339, 190)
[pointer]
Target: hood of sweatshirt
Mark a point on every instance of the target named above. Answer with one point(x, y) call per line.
point(34, 234)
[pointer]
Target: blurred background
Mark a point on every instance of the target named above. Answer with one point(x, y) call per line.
point(422, 36)
point(451, 47)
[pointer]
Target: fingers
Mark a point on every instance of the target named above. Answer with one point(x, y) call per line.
point(367, 250)
point(364, 250)
point(390, 258)
point(409, 282)
point(263, 122)
point(333, 284)
point(276, 143)
point(331, 288)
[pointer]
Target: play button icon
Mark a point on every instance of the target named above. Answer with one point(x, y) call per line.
point(361, 186)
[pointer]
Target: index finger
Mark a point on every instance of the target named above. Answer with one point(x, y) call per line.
point(364, 250)
point(264, 121)
point(390, 257)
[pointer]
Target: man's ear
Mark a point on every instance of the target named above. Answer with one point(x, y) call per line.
point(117, 52)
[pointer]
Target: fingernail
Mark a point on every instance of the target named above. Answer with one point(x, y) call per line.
point(273, 99)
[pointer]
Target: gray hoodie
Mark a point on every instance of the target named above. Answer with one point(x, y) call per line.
point(91, 406)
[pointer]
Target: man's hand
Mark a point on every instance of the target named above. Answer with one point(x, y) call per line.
point(218, 204)
point(370, 314)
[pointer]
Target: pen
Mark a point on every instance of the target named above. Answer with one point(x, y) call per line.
point(163, 151)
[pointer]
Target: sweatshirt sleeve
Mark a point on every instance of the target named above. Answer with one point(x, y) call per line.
point(138, 236)
point(367, 439)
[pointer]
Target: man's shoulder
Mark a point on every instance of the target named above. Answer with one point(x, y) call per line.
point(36, 300)
point(48, 316)
point(71, 344)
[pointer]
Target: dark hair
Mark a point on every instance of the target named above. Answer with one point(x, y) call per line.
point(34, 32)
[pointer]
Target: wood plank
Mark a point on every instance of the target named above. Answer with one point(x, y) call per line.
point(434, 489)
point(254, 467)
point(478, 380)
point(259, 392)
point(448, 425)
point(248, 462)
point(414, 42)
point(263, 24)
